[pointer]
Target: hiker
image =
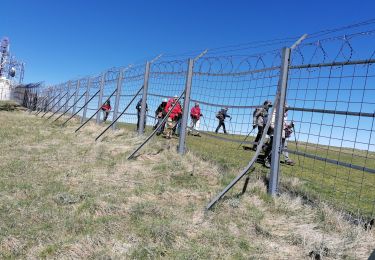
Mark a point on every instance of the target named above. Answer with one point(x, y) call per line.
point(195, 114)
point(221, 115)
point(268, 145)
point(159, 115)
point(139, 107)
point(287, 132)
point(177, 128)
point(260, 116)
point(173, 116)
point(106, 107)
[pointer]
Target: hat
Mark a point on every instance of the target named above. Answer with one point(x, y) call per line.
point(165, 100)
point(267, 103)
point(175, 97)
point(196, 104)
point(225, 108)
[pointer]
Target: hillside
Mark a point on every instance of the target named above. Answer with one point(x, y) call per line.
point(64, 196)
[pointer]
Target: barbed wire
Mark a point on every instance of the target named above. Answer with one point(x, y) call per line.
point(330, 90)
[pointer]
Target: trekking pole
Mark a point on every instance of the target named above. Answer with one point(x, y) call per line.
point(245, 139)
point(295, 139)
point(204, 122)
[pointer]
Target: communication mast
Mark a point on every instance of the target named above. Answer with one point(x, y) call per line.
point(10, 67)
point(4, 52)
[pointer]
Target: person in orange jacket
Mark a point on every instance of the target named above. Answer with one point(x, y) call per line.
point(173, 116)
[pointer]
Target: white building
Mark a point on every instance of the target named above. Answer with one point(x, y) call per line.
point(5, 89)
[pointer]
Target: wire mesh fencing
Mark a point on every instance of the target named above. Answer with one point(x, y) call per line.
point(330, 100)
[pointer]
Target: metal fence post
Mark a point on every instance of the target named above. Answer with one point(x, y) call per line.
point(117, 99)
point(185, 115)
point(100, 99)
point(142, 119)
point(76, 97)
point(279, 122)
point(83, 118)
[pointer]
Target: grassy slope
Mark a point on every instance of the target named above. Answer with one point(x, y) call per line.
point(63, 195)
point(349, 189)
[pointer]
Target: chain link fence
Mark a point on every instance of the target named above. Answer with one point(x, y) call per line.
point(329, 95)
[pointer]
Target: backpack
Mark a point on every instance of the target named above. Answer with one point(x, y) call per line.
point(265, 116)
point(219, 115)
point(288, 132)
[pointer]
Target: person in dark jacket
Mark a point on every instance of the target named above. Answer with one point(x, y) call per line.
point(221, 115)
point(159, 115)
point(106, 108)
point(139, 107)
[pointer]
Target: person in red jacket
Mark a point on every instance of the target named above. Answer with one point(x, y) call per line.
point(106, 107)
point(195, 115)
point(173, 116)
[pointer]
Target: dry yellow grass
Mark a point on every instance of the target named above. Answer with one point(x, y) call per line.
point(63, 195)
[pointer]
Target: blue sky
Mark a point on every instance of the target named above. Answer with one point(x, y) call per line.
point(63, 40)
point(60, 40)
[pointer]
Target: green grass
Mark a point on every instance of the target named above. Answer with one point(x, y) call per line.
point(345, 188)
point(63, 195)
point(350, 189)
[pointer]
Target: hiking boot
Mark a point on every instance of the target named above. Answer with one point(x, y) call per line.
point(254, 148)
point(267, 163)
point(289, 162)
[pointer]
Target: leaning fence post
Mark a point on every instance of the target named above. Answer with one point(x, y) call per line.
point(117, 99)
point(100, 99)
point(185, 115)
point(279, 118)
point(142, 119)
point(76, 97)
point(83, 118)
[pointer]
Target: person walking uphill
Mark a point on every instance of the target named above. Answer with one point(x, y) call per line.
point(286, 133)
point(173, 116)
point(138, 107)
point(260, 116)
point(195, 114)
point(159, 115)
point(221, 115)
point(106, 107)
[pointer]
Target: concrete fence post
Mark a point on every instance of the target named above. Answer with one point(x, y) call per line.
point(279, 122)
point(117, 98)
point(185, 115)
point(76, 97)
point(87, 97)
point(100, 99)
point(142, 119)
